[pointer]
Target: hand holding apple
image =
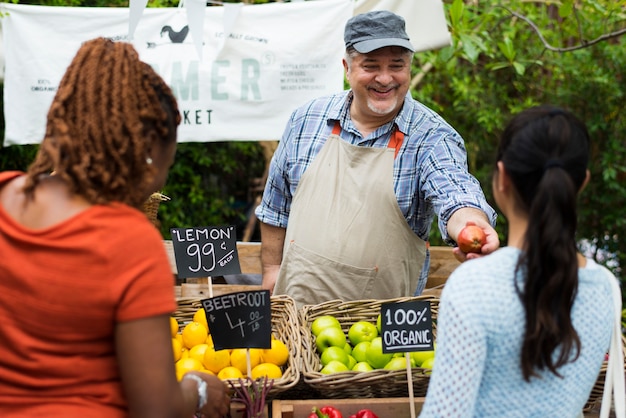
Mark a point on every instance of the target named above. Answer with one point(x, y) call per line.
point(471, 239)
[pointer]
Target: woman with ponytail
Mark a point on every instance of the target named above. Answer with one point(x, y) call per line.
point(523, 332)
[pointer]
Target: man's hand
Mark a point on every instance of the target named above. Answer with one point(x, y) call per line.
point(272, 242)
point(270, 274)
point(469, 216)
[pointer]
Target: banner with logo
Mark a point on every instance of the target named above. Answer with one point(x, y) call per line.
point(238, 71)
point(237, 78)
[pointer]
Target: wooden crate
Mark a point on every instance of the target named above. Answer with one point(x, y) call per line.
point(383, 407)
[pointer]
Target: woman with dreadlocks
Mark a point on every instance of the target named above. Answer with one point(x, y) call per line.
point(86, 289)
point(523, 332)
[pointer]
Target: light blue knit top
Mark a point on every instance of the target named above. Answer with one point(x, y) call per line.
point(480, 326)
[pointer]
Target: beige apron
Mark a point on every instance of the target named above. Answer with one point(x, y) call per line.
point(346, 237)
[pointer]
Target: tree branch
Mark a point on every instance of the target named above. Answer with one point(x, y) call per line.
point(419, 76)
point(583, 44)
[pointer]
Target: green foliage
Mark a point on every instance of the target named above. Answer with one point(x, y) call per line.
point(209, 183)
point(510, 55)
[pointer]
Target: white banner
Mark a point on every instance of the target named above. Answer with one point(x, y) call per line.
point(238, 71)
point(425, 20)
point(254, 65)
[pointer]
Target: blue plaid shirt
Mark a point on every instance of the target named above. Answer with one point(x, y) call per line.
point(430, 171)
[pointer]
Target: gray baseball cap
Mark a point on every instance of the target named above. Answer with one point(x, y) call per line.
point(376, 29)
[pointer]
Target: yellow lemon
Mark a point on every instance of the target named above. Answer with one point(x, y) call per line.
point(209, 341)
point(194, 333)
point(208, 372)
point(177, 347)
point(215, 361)
point(270, 370)
point(179, 337)
point(200, 317)
point(186, 365)
point(238, 358)
point(278, 354)
point(230, 372)
point(173, 326)
point(197, 352)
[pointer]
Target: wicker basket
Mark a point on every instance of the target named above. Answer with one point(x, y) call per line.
point(285, 327)
point(351, 384)
point(595, 398)
point(151, 206)
point(378, 383)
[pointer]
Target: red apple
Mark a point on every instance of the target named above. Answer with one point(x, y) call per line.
point(471, 239)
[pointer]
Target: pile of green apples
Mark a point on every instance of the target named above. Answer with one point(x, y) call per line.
point(361, 349)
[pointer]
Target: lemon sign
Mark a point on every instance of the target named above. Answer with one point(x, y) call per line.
point(205, 251)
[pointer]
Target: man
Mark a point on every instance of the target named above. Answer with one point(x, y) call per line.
point(358, 177)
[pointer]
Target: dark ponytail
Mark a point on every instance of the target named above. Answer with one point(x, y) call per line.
point(545, 151)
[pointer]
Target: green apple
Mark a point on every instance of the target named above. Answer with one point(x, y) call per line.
point(358, 352)
point(428, 364)
point(379, 325)
point(329, 337)
point(351, 362)
point(420, 356)
point(362, 366)
point(334, 353)
point(396, 363)
point(347, 348)
point(324, 322)
point(334, 367)
point(362, 331)
point(374, 354)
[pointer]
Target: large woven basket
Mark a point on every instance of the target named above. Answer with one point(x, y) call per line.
point(352, 384)
point(285, 327)
point(151, 206)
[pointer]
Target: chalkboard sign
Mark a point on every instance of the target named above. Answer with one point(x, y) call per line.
point(240, 320)
point(406, 326)
point(205, 251)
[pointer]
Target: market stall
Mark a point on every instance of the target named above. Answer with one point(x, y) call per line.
point(302, 386)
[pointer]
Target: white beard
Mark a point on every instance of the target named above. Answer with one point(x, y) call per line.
point(382, 110)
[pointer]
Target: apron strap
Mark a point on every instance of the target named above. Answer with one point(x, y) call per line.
point(395, 142)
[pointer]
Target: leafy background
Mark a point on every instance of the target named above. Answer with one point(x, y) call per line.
point(505, 56)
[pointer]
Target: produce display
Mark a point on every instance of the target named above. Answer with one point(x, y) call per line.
point(336, 346)
point(361, 350)
point(193, 349)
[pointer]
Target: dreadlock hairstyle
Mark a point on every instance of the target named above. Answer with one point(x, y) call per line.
point(97, 128)
point(545, 150)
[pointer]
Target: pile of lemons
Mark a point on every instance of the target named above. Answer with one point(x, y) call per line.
point(194, 350)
